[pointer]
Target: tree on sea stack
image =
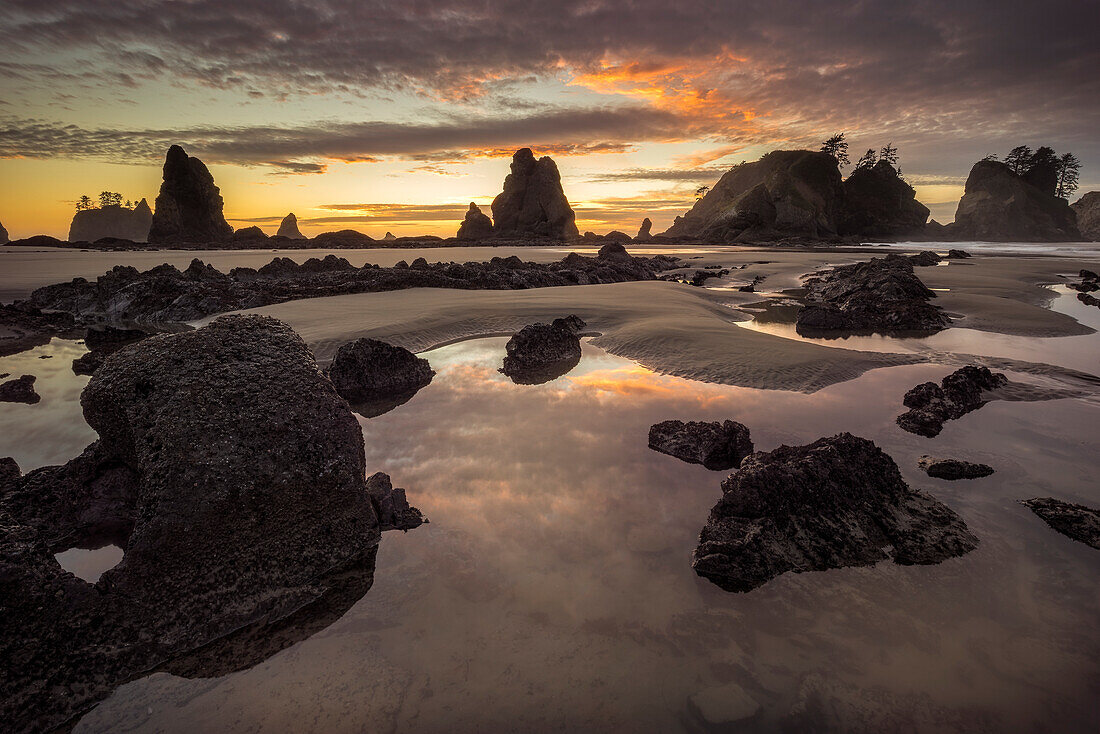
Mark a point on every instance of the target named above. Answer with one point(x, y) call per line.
point(889, 154)
point(867, 160)
point(1018, 159)
point(1069, 170)
point(837, 147)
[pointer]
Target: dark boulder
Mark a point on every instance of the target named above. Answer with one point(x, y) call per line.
point(617, 236)
point(391, 505)
point(787, 192)
point(250, 234)
point(376, 377)
point(879, 203)
point(957, 254)
point(344, 238)
point(189, 205)
point(541, 352)
point(837, 502)
point(19, 390)
point(882, 295)
point(999, 205)
point(289, 228)
point(1074, 521)
point(533, 202)
point(114, 222)
point(925, 259)
point(715, 445)
point(476, 225)
point(961, 392)
point(953, 468)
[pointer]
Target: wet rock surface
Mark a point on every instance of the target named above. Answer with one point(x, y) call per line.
point(953, 468)
point(837, 502)
point(19, 390)
point(533, 202)
point(391, 505)
point(103, 342)
point(166, 294)
point(1074, 521)
point(541, 352)
point(231, 472)
point(963, 391)
point(376, 377)
point(716, 445)
point(189, 205)
point(23, 327)
point(882, 296)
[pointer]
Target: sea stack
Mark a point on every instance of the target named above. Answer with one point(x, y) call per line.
point(189, 206)
point(115, 221)
point(879, 203)
point(533, 203)
point(476, 225)
point(1001, 206)
point(1087, 209)
point(289, 228)
point(645, 231)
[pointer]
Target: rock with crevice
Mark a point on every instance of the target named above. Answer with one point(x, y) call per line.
point(19, 390)
point(392, 505)
point(376, 377)
point(533, 203)
point(953, 468)
point(1074, 521)
point(716, 445)
point(931, 405)
point(541, 352)
point(837, 502)
point(476, 225)
point(189, 205)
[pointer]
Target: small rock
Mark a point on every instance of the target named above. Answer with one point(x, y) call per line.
point(376, 377)
point(961, 392)
point(1074, 521)
point(953, 468)
point(19, 390)
point(541, 352)
point(717, 446)
point(391, 504)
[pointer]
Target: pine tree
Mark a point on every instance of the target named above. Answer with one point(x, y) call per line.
point(889, 154)
point(1018, 159)
point(868, 160)
point(1069, 171)
point(837, 147)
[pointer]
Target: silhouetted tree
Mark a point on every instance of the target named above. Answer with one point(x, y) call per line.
point(1069, 170)
point(701, 191)
point(1018, 159)
point(869, 159)
point(837, 147)
point(991, 157)
point(129, 204)
point(84, 204)
point(109, 198)
point(889, 154)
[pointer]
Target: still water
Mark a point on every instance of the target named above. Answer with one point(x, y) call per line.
point(553, 590)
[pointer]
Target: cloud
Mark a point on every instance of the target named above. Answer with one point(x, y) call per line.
point(709, 173)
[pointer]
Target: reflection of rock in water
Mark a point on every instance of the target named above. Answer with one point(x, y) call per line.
point(837, 502)
point(541, 352)
point(714, 445)
point(232, 474)
point(542, 373)
point(1074, 521)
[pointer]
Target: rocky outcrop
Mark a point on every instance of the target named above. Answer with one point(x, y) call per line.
point(715, 445)
point(232, 474)
point(388, 236)
point(645, 231)
point(3, 235)
point(476, 225)
point(165, 294)
point(376, 377)
point(343, 238)
point(23, 327)
point(103, 342)
point(112, 221)
point(883, 296)
point(787, 192)
point(837, 502)
point(289, 228)
point(541, 352)
point(1087, 209)
point(189, 205)
point(998, 205)
point(953, 468)
point(1074, 521)
point(391, 505)
point(249, 234)
point(533, 203)
point(879, 203)
point(38, 240)
point(19, 390)
point(961, 392)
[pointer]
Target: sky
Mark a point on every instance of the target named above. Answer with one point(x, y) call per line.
point(393, 116)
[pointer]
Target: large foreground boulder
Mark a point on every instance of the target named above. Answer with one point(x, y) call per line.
point(112, 221)
point(879, 203)
point(376, 377)
point(1074, 521)
point(715, 445)
point(189, 205)
point(541, 352)
point(232, 474)
point(533, 203)
point(882, 295)
point(289, 228)
point(787, 192)
point(1087, 209)
point(961, 392)
point(999, 205)
point(476, 225)
point(837, 502)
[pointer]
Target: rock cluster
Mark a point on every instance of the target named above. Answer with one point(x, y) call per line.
point(953, 468)
point(1074, 521)
point(112, 221)
point(232, 474)
point(1090, 283)
point(19, 390)
point(882, 295)
point(999, 205)
point(391, 505)
point(165, 294)
point(961, 392)
point(189, 205)
point(376, 377)
point(289, 228)
point(837, 502)
point(541, 352)
point(879, 203)
point(533, 203)
point(476, 225)
point(715, 445)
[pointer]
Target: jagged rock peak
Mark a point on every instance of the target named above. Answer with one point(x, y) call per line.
point(476, 225)
point(289, 228)
point(189, 205)
point(533, 202)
